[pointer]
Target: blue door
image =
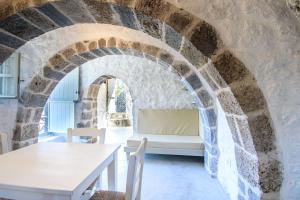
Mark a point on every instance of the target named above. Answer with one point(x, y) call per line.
point(61, 115)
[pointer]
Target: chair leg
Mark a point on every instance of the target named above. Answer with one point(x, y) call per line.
point(127, 155)
point(99, 182)
point(138, 196)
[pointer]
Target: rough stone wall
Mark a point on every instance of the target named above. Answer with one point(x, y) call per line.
point(86, 108)
point(150, 84)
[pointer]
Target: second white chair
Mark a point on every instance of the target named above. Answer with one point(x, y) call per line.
point(89, 132)
point(134, 178)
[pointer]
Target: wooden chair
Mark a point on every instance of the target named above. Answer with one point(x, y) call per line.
point(3, 143)
point(89, 132)
point(134, 178)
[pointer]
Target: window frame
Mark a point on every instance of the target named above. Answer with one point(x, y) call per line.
point(17, 77)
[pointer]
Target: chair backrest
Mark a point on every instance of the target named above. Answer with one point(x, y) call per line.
point(135, 172)
point(3, 143)
point(92, 132)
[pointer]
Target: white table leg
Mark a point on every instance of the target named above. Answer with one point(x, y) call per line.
point(112, 173)
point(99, 182)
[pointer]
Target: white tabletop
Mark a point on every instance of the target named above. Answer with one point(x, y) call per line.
point(59, 167)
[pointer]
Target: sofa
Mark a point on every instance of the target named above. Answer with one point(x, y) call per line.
point(171, 132)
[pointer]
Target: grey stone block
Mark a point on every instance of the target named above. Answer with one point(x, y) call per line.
point(205, 98)
point(172, 37)
point(37, 115)
point(75, 10)
point(52, 74)
point(38, 84)
point(5, 53)
point(77, 60)
point(229, 103)
point(262, 133)
point(166, 57)
point(194, 81)
point(86, 115)
point(180, 20)
point(151, 26)
point(17, 26)
point(88, 56)
point(98, 52)
point(23, 115)
point(204, 38)
point(26, 132)
point(181, 68)
point(211, 117)
point(192, 54)
point(102, 12)
point(270, 175)
point(55, 15)
point(127, 16)
point(10, 41)
point(33, 100)
point(249, 97)
point(38, 19)
point(229, 67)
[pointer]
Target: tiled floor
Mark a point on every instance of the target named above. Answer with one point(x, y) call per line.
point(165, 177)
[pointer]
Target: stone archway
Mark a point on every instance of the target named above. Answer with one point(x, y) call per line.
point(89, 104)
point(68, 59)
point(242, 100)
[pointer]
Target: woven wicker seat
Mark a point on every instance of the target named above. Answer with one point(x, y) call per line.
point(108, 195)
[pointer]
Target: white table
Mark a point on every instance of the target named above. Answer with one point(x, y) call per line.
point(55, 171)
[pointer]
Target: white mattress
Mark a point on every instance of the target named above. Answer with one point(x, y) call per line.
point(167, 141)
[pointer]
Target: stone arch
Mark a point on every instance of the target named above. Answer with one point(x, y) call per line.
point(75, 55)
point(89, 102)
point(241, 98)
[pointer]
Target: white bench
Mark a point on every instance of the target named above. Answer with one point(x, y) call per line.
point(187, 140)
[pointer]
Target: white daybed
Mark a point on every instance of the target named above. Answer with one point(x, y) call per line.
point(172, 132)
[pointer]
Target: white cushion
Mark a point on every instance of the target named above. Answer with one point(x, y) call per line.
point(167, 141)
point(183, 122)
